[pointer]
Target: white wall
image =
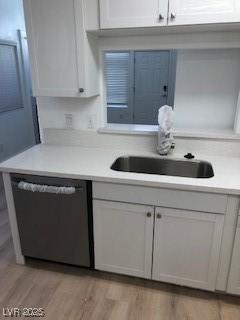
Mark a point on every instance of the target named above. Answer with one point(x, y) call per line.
point(16, 127)
point(11, 18)
point(52, 112)
point(207, 88)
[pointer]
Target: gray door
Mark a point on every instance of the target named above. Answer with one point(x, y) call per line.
point(17, 130)
point(151, 85)
point(30, 100)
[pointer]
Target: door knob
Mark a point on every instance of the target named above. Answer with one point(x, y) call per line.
point(173, 16)
point(165, 90)
point(159, 216)
point(149, 214)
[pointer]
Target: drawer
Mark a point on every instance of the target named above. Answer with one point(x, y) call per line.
point(189, 200)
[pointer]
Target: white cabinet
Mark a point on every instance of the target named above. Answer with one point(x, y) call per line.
point(133, 13)
point(63, 58)
point(123, 235)
point(234, 275)
point(186, 247)
point(172, 236)
point(152, 13)
point(182, 12)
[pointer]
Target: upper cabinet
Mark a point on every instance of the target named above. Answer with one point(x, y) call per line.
point(64, 56)
point(152, 13)
point(64, 59)
point(133, 13)
point(183, 12)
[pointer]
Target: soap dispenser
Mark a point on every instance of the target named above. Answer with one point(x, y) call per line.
point(165, 123)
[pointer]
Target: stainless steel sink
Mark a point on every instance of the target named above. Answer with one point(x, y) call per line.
point(168, 167)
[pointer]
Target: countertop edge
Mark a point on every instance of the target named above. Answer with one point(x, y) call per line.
point(135, 182)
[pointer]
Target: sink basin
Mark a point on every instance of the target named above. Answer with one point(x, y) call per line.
point(168, 167)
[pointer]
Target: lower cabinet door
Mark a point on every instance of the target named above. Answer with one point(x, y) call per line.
point(234, 275)
point(123, 236)
point(186, 247)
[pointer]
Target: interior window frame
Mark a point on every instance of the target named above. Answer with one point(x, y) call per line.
point(130, 107)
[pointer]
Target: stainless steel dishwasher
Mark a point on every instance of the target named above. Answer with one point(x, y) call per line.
point(54, 217)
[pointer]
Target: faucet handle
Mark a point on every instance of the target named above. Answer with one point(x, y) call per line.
point(189, 156)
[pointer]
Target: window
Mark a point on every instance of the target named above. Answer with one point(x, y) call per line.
point(10, 91)
point(137, 84)
point(202, 85)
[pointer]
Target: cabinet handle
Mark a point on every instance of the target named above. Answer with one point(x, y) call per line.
point(149, 214)
point(173, 16)
point(159, 216)
point(81, 90)
point(160, 17)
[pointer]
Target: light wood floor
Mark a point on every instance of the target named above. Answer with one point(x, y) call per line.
point(72, 293)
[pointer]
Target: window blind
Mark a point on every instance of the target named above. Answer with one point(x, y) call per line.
point(10, 92)
point(117, 77)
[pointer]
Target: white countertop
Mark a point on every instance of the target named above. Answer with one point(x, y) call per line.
point(94, 164)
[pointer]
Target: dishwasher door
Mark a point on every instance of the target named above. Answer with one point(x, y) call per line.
point(55, 227)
